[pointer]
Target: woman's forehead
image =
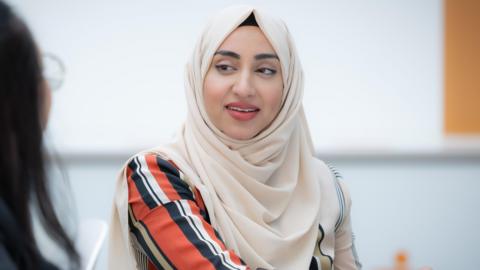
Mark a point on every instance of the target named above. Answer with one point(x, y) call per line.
point(247, 39)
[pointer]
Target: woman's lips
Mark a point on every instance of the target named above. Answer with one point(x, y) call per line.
point(242, 111)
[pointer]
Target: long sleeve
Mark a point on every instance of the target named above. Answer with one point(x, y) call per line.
point(169, 221)
point(345, 254)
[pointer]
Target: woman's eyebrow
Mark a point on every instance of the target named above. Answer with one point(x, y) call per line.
point(228, 53)
point(235, 55)
point(266, 56)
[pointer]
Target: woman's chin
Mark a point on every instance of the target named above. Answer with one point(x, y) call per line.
point(242, 135)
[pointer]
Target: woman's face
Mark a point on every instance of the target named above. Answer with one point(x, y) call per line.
point(243, 87)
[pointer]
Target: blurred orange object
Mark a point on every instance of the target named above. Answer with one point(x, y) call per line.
point(461, 67)
point(401, 261)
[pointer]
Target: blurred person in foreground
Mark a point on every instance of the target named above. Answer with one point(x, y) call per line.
point(25, 99)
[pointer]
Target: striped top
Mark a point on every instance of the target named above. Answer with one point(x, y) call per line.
point(170, 226)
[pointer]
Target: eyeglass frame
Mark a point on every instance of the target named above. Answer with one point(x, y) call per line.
point(54, 81)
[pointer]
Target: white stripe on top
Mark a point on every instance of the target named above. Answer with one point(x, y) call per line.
point(149, 181)
point(197, 226)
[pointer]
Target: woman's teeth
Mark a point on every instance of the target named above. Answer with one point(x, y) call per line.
point(241, 109)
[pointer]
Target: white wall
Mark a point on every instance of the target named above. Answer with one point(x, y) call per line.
point(427, 207)
point(373, 69)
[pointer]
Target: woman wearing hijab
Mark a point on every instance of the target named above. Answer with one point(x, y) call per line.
point(239, 188)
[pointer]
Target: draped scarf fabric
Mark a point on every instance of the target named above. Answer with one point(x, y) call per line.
point(262, 194)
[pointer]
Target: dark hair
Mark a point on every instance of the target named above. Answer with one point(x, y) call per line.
point(250, 21)
point(22, 161)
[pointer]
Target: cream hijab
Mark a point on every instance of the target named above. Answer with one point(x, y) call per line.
point(262, 194)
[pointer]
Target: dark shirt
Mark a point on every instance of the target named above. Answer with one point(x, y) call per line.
point(14, 245)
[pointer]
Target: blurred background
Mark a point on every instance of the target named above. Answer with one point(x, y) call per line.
point(392, 96)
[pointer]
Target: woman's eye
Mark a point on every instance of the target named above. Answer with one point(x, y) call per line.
point(224, 68)
point(267, 71)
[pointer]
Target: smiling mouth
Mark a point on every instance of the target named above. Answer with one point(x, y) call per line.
point(243, 110)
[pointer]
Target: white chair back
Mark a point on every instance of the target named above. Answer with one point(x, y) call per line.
point(90, 238)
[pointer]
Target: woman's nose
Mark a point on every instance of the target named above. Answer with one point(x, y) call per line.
point(243, 86)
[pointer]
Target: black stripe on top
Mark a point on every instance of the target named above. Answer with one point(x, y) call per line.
point(141, 240)
point(180, 186)
point(173, 176)
point(211, 245)
point(341, 199)
point(180, 217)
point(139, 179)
point(313, 264)
point(166, 166)
point(341, 202)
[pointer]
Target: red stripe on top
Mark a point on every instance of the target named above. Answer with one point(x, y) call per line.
point(198, 199)
point(140, 209)
point(161, 178)
point(173, 243)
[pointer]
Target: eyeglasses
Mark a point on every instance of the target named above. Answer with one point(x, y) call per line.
point(53, 70)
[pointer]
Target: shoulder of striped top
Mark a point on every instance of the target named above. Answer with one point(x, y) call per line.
point(160, 181)
point(157, 180)
point(170, 227)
